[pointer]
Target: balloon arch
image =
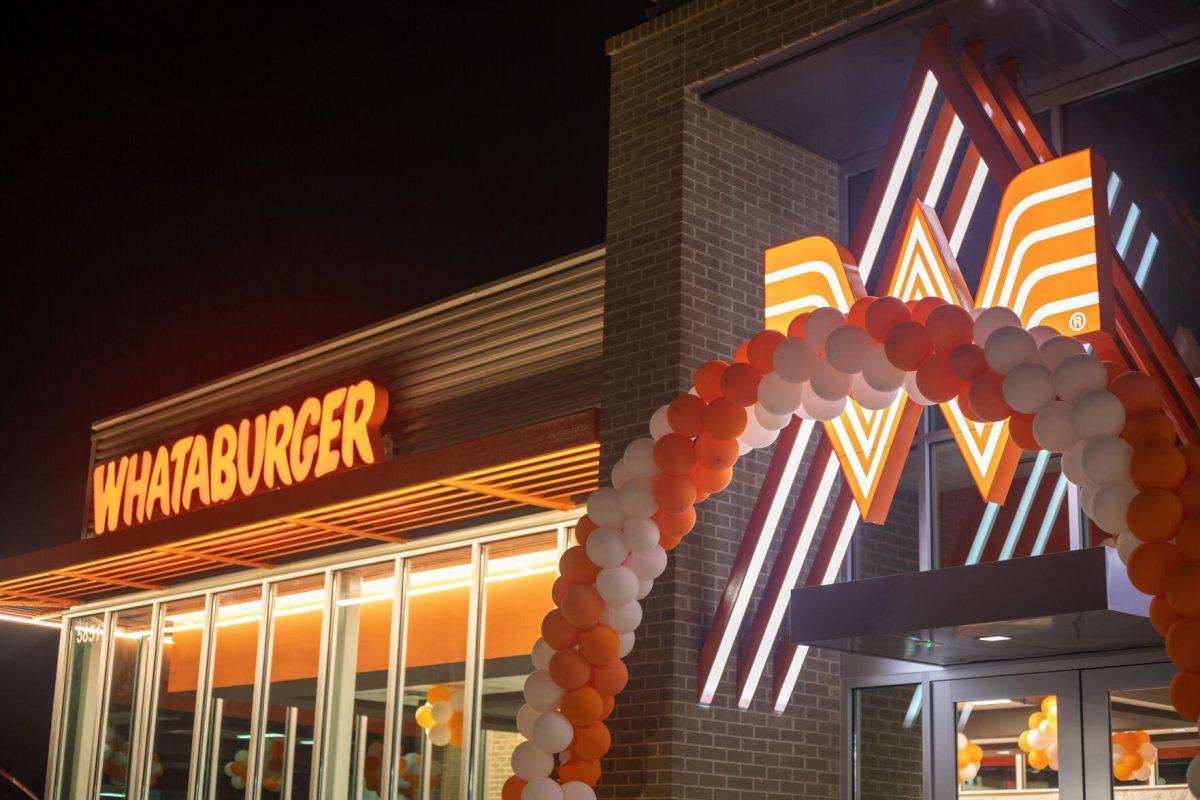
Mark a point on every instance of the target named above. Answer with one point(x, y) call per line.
point(1136, 482)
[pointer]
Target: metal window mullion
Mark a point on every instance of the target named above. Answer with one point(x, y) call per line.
point(394, 712)
point(925, 506)
point(472, 684)
point(106, 652)
point(60, 687)
point(317, 764)
point(199, 754)
point(290, 730)
point(262, 672)
point(141, 724)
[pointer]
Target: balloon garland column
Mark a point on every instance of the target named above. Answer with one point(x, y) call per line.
point(1137, 484)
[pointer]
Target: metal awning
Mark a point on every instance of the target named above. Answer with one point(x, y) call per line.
point(545, 465)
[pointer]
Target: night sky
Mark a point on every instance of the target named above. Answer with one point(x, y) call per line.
point(191, 191)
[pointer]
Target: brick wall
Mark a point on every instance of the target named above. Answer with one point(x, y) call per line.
point(889, 763)
point(694, 198)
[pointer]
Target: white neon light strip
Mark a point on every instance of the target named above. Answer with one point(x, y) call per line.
point(791, 576)
point(40, 623)
point(737, 614)
point(938, 181)
point(981, 535)
point(1127, 230)
point(1114, 186)
point(1147, 258)
point(788, 685)
point(899, 169)
point(1060, 491)
point(1031, 488)
point(968, 210)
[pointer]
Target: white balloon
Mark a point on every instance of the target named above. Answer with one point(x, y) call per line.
point(743, 448)
point(1142, 773)
point(1086, 495)
point(577, 790)
point(777, 396)
point(1110, 505)
point(542, 653)
point(870, 398)
point(605, 548)
point(648, 564)
point(1027, 387)
point(541, 691)
point(441, 711)
point(1042, 333)
point(529, 761)
point(526, 716)
point(439, 735)
point(819, 324)
point(1098, 413)
point(962, 741)
point(793, 360)
point(1078, 375)
point(910, 388)
point(1052, 427)
point(623, 619)
point(617, 585)
point(879, 373)
point(1007, 347)
point(620, 474)
point(636, 498)
point(604, 507)
point(1193, 776)
point(660, 426)
point(828, 383)
point(237, 782)
point(639, 458)
point(846, 347)
point(552, 732)
point(644, 589)
point(542, 789)
point(991, 320)
point(755, 436)
point(1071, 465)
point(772, 422)
point(1054, 350)
point(627, 641)
point(1148, 752)
point(819, 409)
point(1126, 544)
point(1034, 739)
point(1106, 460)
point(638, 534)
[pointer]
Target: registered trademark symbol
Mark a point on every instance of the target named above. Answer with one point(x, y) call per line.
point(1077, 321)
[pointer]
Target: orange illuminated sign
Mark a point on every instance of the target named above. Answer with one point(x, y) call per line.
point(277, 448)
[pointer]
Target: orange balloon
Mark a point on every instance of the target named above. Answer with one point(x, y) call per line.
point(1187, 537)
point(964, 403)
point(710, 480)
point(456, 732)
point(579, 770)
point(557, 632)
point(1154, 516)
point(796, 326)
point(884, 314)
point(968, 361)
point(583, 529)
point(1148, 427)
point(906, 345)
point(576, 567)
point(238, 768)
point(925, 307)
point(512, 788)
point(271, 784)
point(674, 454)
point(600, 645)
point(685, 415)
point(591, 741)
point(1020, 428)
point(715, 454)
point(669, 543)
point(1149, 565)
point(761, 350)
point(1038, 759)
point(1157, 466)
point(438, 693)
point(724, 419)
point(559, 590)
point(582, 706)
point(739, 384)
point(582, 605)
point(569, 669)
point(741, 355)
point(936, 379)
point(674, 493)
point(708, 380)
point(1191, 454)
point(1162, 616)
point(1183, 644)
point(610, 678)
point(1185, 695)
point(610, 703)
point(986, 396)
point(1137, 391)
point(1114, 370)
point(1183, 590)
point(949, 327)
point(674, 525)
point(1189, 494)
point(857, 315)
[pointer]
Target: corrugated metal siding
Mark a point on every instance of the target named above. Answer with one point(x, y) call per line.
point(508, 354)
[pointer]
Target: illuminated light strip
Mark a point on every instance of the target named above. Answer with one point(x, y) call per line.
point(791, 576)
point(1028, 241)
point(1040, 274)
point(1127, 230)
point(964, 219)
point(1114, 186)
point(1143, 269)
point(1060, 491)
point(754, 568)
point(1031, 486)
point(1059, 306)
point(899, 169)
point(981, 535)
point(937, 182)
point(800, 652)
point(914, 706)
point(41, 623)
point(808, 301)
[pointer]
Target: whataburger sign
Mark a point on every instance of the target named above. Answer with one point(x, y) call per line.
point(280, 447)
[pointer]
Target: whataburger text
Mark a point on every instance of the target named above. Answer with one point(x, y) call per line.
point(277, 448)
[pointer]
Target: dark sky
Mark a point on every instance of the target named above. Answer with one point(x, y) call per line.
point(190, 191)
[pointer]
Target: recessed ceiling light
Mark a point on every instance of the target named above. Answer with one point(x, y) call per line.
point(994, 638)
point(999, 702)
point(1004, 752)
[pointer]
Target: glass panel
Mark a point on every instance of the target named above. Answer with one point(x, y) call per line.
point(1032, 521)
point(234, 659)
point(1008, 744)
point(175, 698)
point(516, 595)
point(888, 748)
point(81, 703)
point(358, 679)
point(894, 547)
point(129, 656)
point(1151, 745)
point(291, 700)
point(435, 653)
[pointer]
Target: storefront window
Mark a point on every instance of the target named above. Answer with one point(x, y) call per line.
point(175, 698)
point(1150, 744)
point(518, 574)
point(130, 651)
point(894, 547)
point(81, 703)
point(888, 743)
point(1008, 745)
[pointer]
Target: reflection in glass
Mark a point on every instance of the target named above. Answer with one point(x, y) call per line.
point(888, 747)
point(358, 679)
point(518, 574)
point(1151, 745)
point(81, 703)
point(894, 547)
point(438, 599)
point(1008, 744)
point(129, 656)
point(175, 698)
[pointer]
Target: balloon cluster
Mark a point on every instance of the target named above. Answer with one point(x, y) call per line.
point(1040, 741)
point(116, 759)
point(1132, 755)
point(407, 780)
point(970, 756)
point(1116, 444)
point(441, 716)
point(272, 780)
